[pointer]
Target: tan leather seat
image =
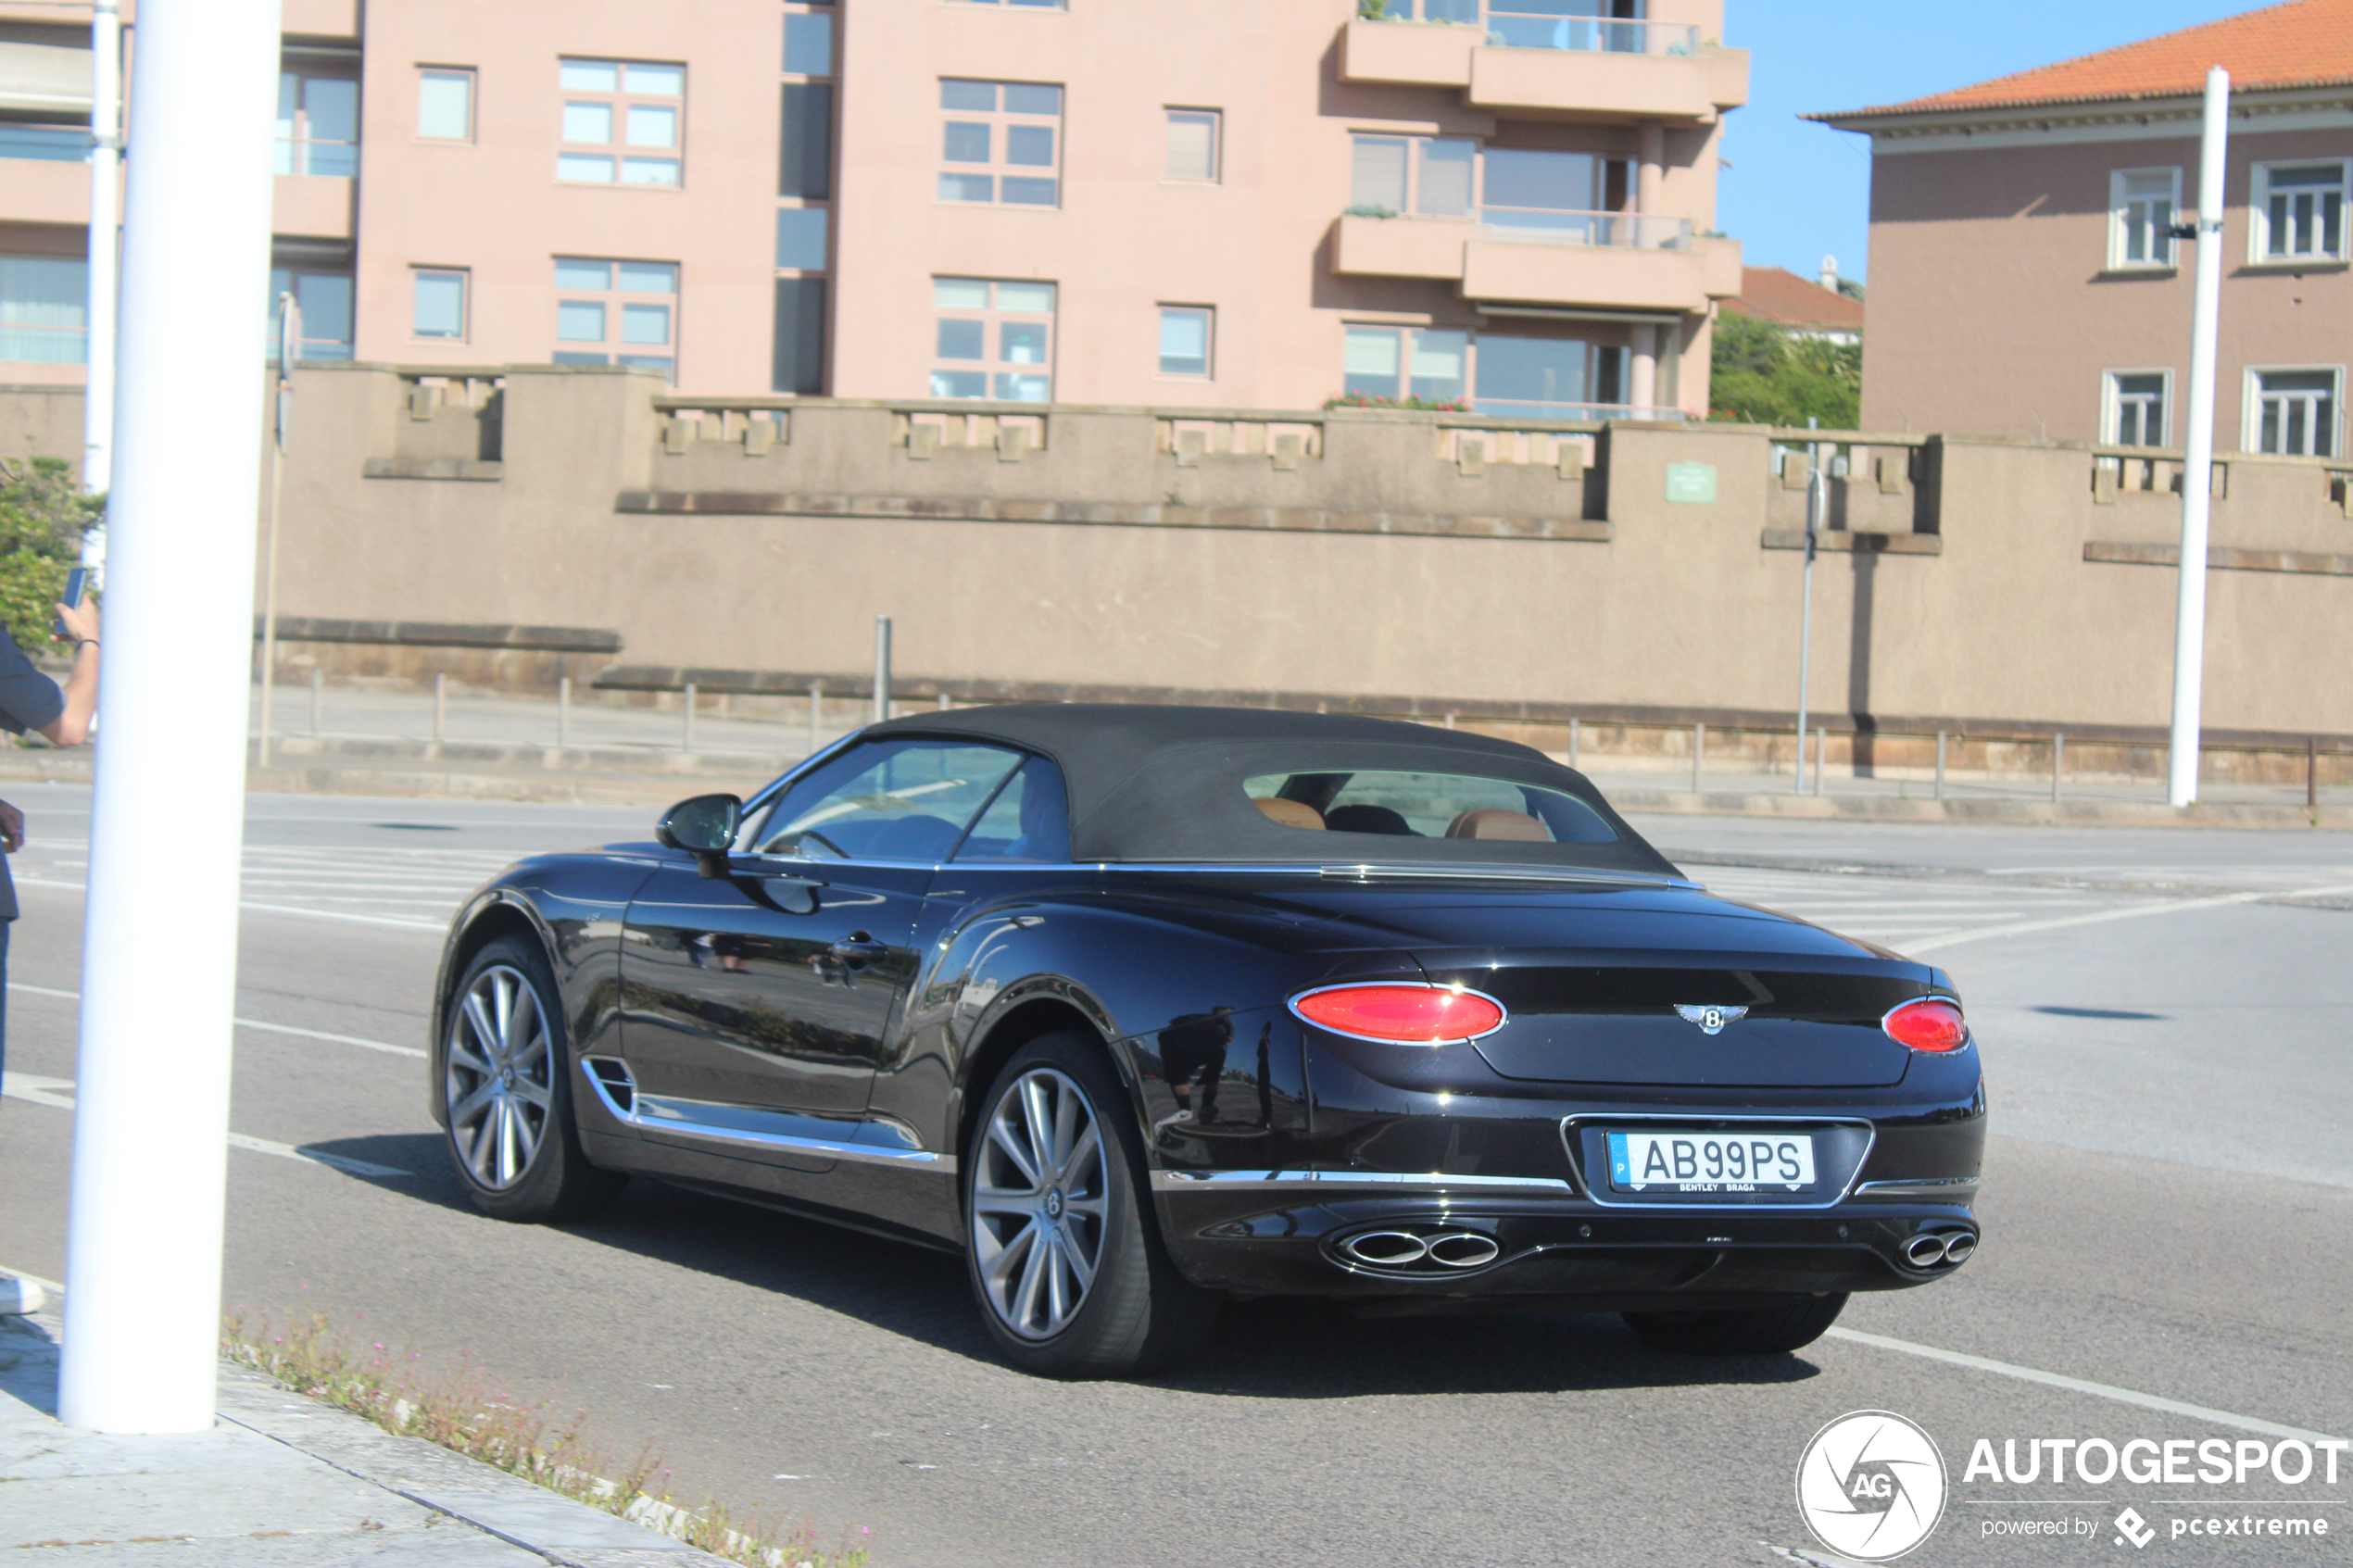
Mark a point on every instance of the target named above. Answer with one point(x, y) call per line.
point(1491, 822)
point(1293, 814)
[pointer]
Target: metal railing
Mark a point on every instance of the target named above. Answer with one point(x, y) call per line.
point(1518, 24)
point(1630, 231)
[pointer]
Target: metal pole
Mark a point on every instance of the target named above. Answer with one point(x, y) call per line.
point(2058, 762)
point(686, 728)
point(1699, 752)
point(150, 1136)
point(286, 329)
point(816, 715)
point(563, 712)
point(1573, 727)
point(105, 254)
point(1940, 764)
point(317, 685)
point(1805, 602)
point(1821, 753)
point(2311, 772)
point(440, 709)
point(2197, 466)
point(882, 668)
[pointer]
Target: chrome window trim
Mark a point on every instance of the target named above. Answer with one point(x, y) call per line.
point(1569, 1125)
point(1258, 1181)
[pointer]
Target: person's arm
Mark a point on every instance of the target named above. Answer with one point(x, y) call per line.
point(71, 727)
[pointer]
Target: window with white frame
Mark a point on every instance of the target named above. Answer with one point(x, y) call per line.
point(2140, 217)
point(1528, 375)
point(2138, 407)
point(317, 124)
point(437, 303)
point(1400, 363)
point(2293, 412)
point(994, 338)
point(1194, 138)
point(1001, 142)
point(445, 102)
point(1432, 176)
point(44, 309)
point(1568, 194)
point(323, 310)
point(612, 313)
point(1186, 334)
point(624, 123)
point(2298, 211)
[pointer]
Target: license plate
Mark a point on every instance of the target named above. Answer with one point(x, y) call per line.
point(1711, 1161)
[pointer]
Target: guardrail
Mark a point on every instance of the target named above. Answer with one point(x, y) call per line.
point(1530, 24)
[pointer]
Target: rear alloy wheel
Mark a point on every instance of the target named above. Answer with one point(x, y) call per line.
point(1760, 1331)
point(507, 1093)
point(1064, 1253)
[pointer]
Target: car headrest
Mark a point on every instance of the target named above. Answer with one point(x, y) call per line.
point(1293, 814)
point(1492, 821)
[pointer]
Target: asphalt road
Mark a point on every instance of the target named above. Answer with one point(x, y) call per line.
point(2169, 1212)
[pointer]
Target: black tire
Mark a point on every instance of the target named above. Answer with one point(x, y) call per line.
point(1761, 1331)
point(513, 1081)
point(1135, 1314)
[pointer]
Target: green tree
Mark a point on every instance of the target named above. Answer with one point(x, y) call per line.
point(1760, 374)
point(42, 516)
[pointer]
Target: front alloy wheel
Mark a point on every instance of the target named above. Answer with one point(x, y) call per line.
point(1037, 1204)
point(499, 1077)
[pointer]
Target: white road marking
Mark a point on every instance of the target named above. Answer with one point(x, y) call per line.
point(2083, 1386)
point(2169, 906)
point(384, 1046)
point(437, 928)
point(35, 1090)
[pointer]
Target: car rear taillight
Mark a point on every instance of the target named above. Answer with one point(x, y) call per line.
point(1407, 1014)
point(1930, 1024)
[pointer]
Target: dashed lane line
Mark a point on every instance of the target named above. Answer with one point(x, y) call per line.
point(56, 1093)
point(384, 1046)
point(436, 927)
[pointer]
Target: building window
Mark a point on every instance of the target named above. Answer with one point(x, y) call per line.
point(1186, 334)
point(1422, 363)
point(617, 312)
point(801, 239)
point(809, 43)
point(994, 340)
point(437, 303)
point(1194, 138)
point(2137, 411)
point(1576, 195)
point(1430, 175)
point(2300, 212)
point(2140, 218)
point(1538, 378)
point(2293, 412)
point(445, 104)
point(323, 312)
point(1002, 143)
point(623, 122)
point(317, 124)
point(44, 309)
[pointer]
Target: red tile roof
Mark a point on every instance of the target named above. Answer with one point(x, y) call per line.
point(1775, 293)
point(2303, 44)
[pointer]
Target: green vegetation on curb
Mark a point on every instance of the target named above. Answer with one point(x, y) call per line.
point(469, 1415)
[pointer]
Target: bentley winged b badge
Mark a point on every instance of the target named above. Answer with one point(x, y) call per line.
point(1711, 1020)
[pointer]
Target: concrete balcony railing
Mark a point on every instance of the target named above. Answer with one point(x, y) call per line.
point(313, 205)
point(1668, 78)
point(1561, 266)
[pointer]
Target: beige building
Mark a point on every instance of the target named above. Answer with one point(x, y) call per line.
point(1233, 203)
point(2027, 278)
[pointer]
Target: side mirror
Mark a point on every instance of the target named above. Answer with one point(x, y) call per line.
point(705, 828)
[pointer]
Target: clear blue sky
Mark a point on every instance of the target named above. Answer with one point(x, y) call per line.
point(1797, 191)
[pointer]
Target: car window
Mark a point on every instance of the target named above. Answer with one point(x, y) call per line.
point(889, 800)
point(1028, 821)
point(1405, 805)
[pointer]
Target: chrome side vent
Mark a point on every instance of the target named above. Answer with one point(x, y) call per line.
point(610, 1077)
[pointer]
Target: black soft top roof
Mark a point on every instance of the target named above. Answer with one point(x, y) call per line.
point(1166, 783)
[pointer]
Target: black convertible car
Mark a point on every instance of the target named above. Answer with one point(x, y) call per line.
point(1145, 1008)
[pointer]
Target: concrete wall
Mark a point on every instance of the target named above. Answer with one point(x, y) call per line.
point(1393, 561)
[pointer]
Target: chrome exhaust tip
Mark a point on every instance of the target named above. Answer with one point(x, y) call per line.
point(1958, 1248)
point(1925, 1250)
point(1386, 1250)
point(1463, 1249)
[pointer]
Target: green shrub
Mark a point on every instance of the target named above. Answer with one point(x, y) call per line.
point(42, 517)
point(1759, 374)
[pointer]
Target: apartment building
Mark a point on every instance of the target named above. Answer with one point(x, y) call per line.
point(1232, 203)
point(2031, 264)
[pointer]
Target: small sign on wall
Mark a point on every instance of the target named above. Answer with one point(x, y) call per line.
point(1692, 483)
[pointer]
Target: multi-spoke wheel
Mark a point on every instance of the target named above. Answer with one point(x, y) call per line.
point(505, 1096)
point(1065, 1257)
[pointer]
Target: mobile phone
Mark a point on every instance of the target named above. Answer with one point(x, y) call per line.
point(77, 584)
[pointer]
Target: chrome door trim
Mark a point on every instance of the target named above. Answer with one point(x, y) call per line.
point(1268, 1180)
point(677, 1118)
point(1940, 1189)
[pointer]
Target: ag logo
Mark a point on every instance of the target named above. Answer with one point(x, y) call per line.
point(1711, 1021)
point(1871, 1486)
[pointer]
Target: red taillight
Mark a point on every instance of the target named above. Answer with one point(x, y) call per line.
point(1416, 1015)
point(1930, 1024)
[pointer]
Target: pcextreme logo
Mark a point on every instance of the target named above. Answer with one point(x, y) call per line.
point(1871, 1486)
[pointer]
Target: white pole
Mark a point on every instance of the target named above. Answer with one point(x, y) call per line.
point(284, 372)
point(150, 1145)
point(882, 668)
point(106, 162)
point(2198, 469)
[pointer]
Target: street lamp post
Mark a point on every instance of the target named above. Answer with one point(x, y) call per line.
point(159, 957)
point(2197, 465)
point(106, 163)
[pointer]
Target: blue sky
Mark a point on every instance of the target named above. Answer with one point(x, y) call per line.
point(1797, 191)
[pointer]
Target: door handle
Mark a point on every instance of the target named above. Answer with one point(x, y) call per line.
point(858, 947)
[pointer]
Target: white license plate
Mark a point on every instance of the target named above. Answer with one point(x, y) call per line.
point(1711, 1161)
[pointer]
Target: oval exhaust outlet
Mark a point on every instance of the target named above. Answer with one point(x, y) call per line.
point(1386, 1250)
point(1463, 1249)
point(1924, 1251)
point(1958, 1248)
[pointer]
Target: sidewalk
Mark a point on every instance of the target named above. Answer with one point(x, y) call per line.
point(281, 1481)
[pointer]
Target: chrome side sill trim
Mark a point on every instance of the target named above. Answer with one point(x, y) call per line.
point(680, 1123)
point(1942, 1189)
point(1253, 1181)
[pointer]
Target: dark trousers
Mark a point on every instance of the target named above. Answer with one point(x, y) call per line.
point(4, 926)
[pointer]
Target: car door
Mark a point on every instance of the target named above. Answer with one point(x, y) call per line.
point(756, 1004)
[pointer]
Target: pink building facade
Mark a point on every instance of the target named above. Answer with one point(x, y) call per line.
point(1508, 203)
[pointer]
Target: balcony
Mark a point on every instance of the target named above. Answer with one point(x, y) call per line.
point(46, 173)
point(315, 207)
point(1596, 260)
point(1584, 69)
